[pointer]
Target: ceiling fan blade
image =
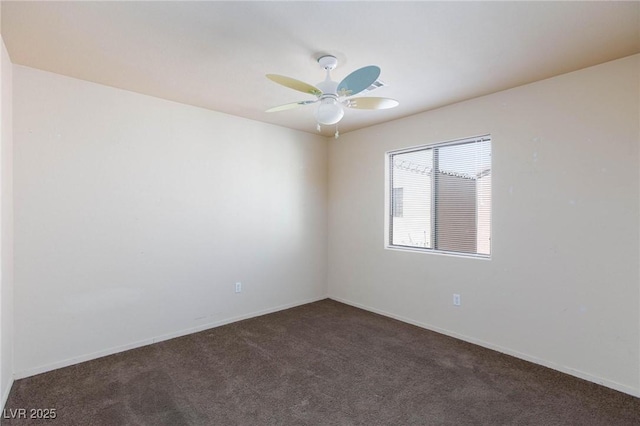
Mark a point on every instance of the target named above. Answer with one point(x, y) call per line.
point(290, 106)
point(371, 103)
point(294, 84)
point(358, 80)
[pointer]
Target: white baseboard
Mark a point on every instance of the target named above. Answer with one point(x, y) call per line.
point(88, 357)
point(5, 392)
point(563, 369)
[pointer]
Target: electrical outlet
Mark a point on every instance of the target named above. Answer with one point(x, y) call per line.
point(238, 287)
point(456, 299)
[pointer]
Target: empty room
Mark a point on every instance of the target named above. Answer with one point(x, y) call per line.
point(319, 213)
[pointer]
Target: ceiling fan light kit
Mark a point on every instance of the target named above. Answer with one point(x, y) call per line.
point(334, 96)
point(329, 111)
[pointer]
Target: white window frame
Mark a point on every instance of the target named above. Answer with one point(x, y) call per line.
point(388, 207)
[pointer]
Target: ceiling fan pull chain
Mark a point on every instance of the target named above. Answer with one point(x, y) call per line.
point(337, 135)
point(318, 128)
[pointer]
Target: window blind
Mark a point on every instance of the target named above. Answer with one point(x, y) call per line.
point(444, 194)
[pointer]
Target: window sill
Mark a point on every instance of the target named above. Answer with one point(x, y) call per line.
point(438, 252)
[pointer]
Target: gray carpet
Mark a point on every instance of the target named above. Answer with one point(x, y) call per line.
point(324, 363)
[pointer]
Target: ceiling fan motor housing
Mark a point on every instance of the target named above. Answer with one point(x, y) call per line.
point(328, 88)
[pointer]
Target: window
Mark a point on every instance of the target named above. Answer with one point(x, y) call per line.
point(397, 201)
point(440, 197)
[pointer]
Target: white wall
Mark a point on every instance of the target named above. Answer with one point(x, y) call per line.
point(562, 287)
point(6, 226)
point(135, 216)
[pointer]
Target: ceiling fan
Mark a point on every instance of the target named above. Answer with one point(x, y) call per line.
point(334, 96)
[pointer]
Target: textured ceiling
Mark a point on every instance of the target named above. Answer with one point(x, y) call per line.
point(216, 54)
